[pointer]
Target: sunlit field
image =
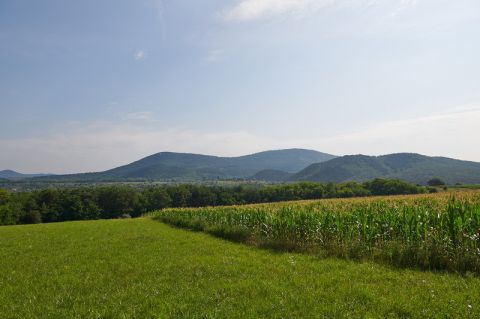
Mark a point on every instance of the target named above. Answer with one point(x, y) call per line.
point(140, 268)
point(434, 232)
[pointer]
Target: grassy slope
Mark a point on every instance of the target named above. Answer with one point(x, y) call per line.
point(141, 268)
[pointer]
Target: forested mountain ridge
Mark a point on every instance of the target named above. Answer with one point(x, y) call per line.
point(410, 167)
point(279, 166)
point(191, 167)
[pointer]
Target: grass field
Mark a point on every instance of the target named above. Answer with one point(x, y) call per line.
point(432, 232)
point(141, 268)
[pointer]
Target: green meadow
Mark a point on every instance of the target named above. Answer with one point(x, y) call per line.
point(141, 268)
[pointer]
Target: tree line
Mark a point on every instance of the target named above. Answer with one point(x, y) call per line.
point(105, 202)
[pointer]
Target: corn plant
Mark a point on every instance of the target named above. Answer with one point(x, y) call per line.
point(440, 231)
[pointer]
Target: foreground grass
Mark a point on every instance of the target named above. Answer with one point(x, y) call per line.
point(144, 269)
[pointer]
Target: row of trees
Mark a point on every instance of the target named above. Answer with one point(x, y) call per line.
point(54, 205)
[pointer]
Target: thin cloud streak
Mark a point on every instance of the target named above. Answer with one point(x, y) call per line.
point(139, 116)
point(258, 9)
point(249, 10)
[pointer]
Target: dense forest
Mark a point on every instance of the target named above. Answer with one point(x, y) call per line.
point(55, 205)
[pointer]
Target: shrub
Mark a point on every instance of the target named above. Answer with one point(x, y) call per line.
point(436, 181)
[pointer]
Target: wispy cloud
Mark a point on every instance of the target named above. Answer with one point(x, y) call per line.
point(401, 6)
point(139, 55)
point(449, 133)
point(258, 9)
point(139, 116)
point(246, 10)
point(214, 56)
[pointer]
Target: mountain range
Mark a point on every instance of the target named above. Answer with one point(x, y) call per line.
point(9, 174)
point(194, 167)
point(278, 166)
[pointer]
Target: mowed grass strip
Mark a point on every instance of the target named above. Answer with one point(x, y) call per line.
point(144, 269)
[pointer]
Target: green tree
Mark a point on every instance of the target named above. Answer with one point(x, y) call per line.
point(202, 196)
point(10, 214)
point(4, 196)
point(180, 195)
point(436, 181)
point(157, 198)
point(118, 200)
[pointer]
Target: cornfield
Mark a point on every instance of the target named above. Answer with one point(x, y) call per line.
point(437, 232)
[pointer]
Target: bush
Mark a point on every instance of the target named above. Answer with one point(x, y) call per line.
point(436, 181)
point(380, 186)
point(432, 190)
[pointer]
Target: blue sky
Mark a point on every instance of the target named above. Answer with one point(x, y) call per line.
point(89, 85)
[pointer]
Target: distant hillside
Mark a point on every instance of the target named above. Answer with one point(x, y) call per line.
point(289, 160)
point(272, 175)
point(9, 174)
point(188, 167)
point(409, 167)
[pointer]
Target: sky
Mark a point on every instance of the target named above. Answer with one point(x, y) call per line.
point(93, 84)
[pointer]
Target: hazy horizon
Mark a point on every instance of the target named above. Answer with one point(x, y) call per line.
point(91, 85)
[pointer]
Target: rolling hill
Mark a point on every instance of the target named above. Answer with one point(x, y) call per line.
point(191, 167)
point(9, 174)
point(410, 167)
point(278, 166)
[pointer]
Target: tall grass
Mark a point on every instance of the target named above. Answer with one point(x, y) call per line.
point(428, 231)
